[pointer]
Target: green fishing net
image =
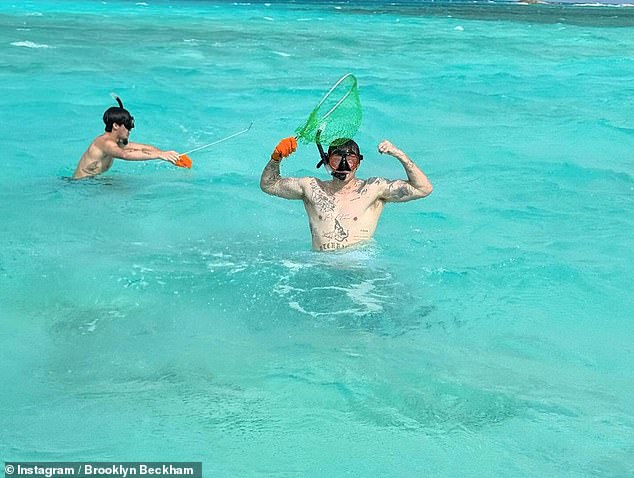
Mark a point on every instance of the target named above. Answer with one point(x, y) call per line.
point(337, 116)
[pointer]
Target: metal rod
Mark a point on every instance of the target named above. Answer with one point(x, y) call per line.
point(220, 140)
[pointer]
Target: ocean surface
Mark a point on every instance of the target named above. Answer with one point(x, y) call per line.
point(156, 313)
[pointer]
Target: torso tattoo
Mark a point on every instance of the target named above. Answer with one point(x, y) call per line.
point(341, 219)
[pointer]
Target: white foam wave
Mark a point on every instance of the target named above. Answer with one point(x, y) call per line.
point(270, 19)
point(214, 265)
point(296, 306)
point(599, 4)
point(364, 295)
point(30, 44)
point(295, 266)
point(286, 289)
point(281, 53)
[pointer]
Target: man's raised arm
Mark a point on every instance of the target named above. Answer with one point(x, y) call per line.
point(272, 182)
point(417, 185)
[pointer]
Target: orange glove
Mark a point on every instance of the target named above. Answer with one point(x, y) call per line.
point(284, 148)
point(184, 161)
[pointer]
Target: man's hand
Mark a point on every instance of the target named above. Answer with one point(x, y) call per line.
point(184, 161)
point(385, 147)
point(284, 148)
point(171, 156)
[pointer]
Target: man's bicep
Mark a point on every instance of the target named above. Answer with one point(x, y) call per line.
point(399, 191)
point(111, 148)
point(289, 188)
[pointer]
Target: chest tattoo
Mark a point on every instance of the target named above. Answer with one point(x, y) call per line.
point(339, 233)
point(321, 200)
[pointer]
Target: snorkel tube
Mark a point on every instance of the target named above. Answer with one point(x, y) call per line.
point(322, 154)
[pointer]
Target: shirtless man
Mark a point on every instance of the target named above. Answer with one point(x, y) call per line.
point(114, 143)
point(345, 210)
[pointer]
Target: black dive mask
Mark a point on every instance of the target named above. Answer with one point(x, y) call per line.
point(342, 165)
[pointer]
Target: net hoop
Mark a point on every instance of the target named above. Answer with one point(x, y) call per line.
point(337, 115)
point(334, 87)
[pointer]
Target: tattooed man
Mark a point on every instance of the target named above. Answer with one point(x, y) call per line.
point(114, 143)
point(345, 210)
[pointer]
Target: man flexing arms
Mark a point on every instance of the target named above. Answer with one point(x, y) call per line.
point(345, 210)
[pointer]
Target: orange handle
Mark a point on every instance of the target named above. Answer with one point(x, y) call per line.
point(184, 161)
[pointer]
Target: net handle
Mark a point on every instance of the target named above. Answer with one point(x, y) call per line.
point(220, 140)
point(330, 92)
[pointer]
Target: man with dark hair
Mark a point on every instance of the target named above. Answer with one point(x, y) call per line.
point(114, 143)
point(345, 210)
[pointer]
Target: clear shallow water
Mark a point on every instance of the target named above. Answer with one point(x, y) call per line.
point(155, 313)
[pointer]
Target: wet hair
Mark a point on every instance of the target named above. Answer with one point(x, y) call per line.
point(119, 115)
point(344, 143)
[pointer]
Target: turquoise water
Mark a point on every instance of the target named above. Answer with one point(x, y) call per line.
point(155, 313)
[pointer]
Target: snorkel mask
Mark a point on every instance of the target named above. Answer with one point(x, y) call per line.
point(341, 160)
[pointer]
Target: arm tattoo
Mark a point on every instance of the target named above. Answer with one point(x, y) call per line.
point(417, 185)
point(273, 183)
point(399, 190)
point(271, 173)
point(146, 151)
point(368, 185)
